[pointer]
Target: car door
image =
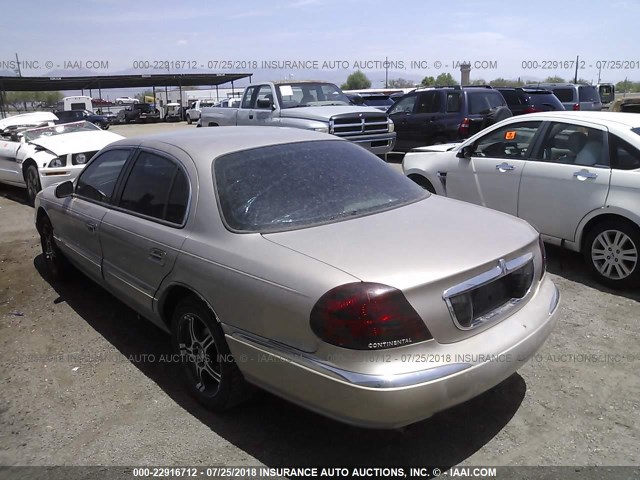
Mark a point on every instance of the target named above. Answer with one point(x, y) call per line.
point(400, 114)
point(9, 168)
point(491, 176)
point(565, 179)
point(421, 126)
point(77, 222)
point(142, 235)
point(245, 112)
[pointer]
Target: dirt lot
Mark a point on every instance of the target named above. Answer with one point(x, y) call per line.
point(78, 387)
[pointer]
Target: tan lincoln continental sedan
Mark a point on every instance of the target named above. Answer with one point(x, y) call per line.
point(302, 264)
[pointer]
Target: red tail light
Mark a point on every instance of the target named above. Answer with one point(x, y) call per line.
point(531, 110)
point(576, 106)
point(544, 257)
point(367, 316)
point(463, 129)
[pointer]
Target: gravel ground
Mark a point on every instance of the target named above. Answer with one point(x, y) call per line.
point(78, 385)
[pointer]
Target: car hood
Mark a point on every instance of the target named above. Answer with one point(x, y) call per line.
point(420, 243)
point(27, 119)
point(443, 147)
point(324, 113)
point(77, 142)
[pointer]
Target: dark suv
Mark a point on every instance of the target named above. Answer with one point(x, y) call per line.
point(530, 100)
point(68, 116)
point(445, 114)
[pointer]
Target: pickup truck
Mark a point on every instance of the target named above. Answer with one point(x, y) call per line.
point(193, 113)
point(316, 106)
point(140, 113)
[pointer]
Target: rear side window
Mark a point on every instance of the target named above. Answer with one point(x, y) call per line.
point(299, 185)
point(157, 188)
point(574, 144)
point(564, 94)
point(588, 93)
point(98, 179)
point(429, 102)
point(624, 155)
point(453, 102)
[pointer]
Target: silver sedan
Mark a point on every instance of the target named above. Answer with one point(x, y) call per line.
point(302, 264)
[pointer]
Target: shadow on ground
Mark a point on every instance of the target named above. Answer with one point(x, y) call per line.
point(16, 194)
point(570, 265)
point(278, 433)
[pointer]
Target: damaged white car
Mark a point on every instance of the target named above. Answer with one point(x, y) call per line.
point(35, 158)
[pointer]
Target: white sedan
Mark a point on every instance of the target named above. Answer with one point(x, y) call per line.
point(38, 157)
point(575, 176)
point(126, 100)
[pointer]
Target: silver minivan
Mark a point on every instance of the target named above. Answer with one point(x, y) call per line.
point(574, 96)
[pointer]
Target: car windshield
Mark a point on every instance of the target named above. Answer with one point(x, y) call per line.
point(310, 94)
point(74, 127)
point(298, 185)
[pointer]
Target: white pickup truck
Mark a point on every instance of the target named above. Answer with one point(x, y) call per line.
point(316, 106)
point(193, 113)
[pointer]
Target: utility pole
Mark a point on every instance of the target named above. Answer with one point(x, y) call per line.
point(386, 72)
point(575, 77)
point(18, 66)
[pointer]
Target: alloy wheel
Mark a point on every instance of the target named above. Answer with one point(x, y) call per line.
point(614, 254)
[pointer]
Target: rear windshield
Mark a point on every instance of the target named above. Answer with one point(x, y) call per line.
point(588, 93)
point(545, 100)
point(483, 102)
point(564, 94)
point(299, 185)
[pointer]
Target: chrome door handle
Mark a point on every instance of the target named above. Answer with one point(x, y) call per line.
point(585, 174)
point(505, 166)
point(157, 255)
point(91, 227)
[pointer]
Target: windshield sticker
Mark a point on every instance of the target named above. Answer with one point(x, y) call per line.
point(286, 91)
point(510, 135)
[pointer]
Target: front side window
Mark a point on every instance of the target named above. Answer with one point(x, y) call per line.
point(511, 141)
point(157, 188)
point(246, 100)
point(574, 144)
point(298, 185)
point(264, 94)
point(404, 105)
point(98, 180)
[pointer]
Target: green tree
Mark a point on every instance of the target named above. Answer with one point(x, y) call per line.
point(401, 83)
point(356, 81)
point(445, 79)
point(554, 79)
point(582, 81)
point(478, 81)
point(428, 82)
point(504, 82)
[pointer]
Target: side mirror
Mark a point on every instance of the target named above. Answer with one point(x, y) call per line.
point(264, 103)
point(465, 152)
point(65, 189)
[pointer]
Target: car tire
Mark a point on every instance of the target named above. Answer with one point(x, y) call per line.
point(499, 114)
point(209, 371)
point(119, 102)
point(57, 264)
point(611, 250)
point(189, 120)
point(32, 179)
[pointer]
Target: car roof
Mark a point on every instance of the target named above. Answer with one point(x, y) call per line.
point(630, 120)
point(206, 143)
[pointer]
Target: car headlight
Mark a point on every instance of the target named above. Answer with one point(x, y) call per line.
point(322, 129)
point(391, 125)
point(58, 162)
point(80, 159)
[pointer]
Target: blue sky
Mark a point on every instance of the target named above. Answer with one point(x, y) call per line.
point(508, 33)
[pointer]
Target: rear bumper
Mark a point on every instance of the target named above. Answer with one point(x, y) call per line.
point(391, 401)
